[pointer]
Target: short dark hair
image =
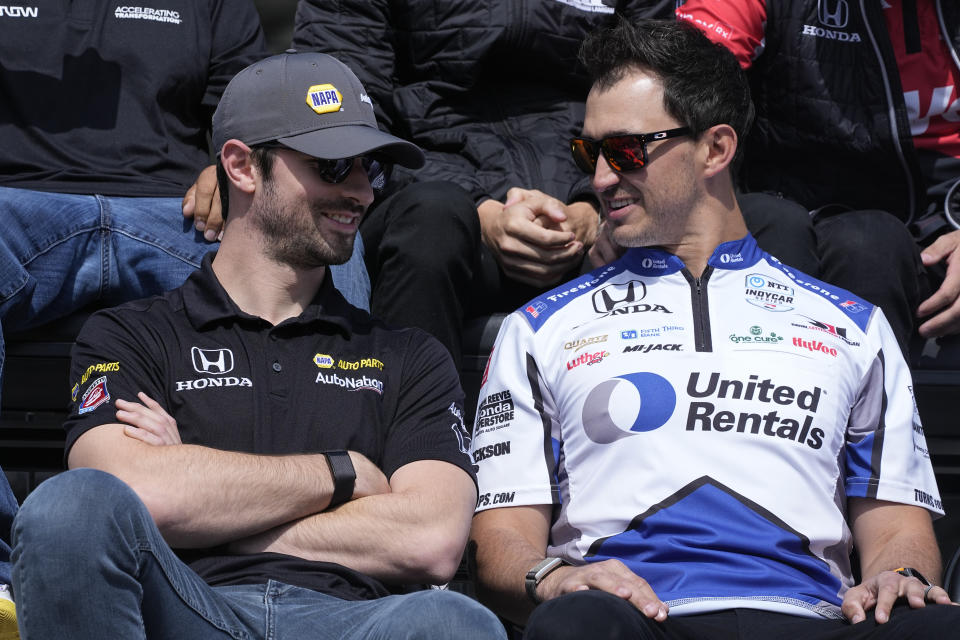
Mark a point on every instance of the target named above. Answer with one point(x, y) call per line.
point(262, 158)
point(702, 81)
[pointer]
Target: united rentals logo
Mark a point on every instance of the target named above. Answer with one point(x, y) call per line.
point(146, 13)
point(626, 406)
point(215, 361)
point(704, 415)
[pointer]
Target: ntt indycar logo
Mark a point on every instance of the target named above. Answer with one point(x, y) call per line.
point(363, 383)
point(767, 293)
point(146, 13)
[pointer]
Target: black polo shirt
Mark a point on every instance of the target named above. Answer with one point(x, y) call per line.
point(331, 378)
point(116, 98)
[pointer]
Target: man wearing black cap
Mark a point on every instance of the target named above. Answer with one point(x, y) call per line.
point(315, 464)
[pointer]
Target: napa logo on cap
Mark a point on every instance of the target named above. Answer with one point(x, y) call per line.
point(324, 98)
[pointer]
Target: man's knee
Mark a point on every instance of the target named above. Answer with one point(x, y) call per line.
point(73, 509)
point(448, 614)
point(586, 614)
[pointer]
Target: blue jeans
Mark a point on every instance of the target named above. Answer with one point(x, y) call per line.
point(88, 562)
point(8, 509)
point(60, 253)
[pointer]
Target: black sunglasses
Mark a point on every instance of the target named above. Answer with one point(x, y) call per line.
point(626, 152)
point(336, 171)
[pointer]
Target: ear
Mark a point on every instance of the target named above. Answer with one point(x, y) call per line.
point(720, 143)
point(235, 158)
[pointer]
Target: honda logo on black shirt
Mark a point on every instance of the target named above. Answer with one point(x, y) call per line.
point(215, 361)
point(833, 13)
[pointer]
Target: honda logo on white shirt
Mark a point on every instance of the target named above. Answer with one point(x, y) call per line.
point(217, 361)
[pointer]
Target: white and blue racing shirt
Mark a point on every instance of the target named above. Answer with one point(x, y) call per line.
point(705, 431)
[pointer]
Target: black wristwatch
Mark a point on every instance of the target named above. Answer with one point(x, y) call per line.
point(536, 575)
point(910, 572)
point(344, 476)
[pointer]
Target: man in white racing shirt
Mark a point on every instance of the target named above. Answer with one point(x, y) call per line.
point(690, 441)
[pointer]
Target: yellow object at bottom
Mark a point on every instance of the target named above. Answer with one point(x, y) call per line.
point(8, 621)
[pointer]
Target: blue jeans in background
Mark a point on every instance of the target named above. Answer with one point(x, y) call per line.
point(61, 252)
point(8, 509)
point(89, 562)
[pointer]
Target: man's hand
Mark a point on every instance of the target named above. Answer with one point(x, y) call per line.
point(605, 250)
point(945, 302)
point(537, 239)
point(147, 422)
point(611, 576)
point(883, 590)
point(202, 203)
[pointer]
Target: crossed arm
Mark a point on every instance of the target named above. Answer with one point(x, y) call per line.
point(507, 542)
point(409, 529)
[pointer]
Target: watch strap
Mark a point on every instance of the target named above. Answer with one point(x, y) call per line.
point(344, 476)
point(537, 573)
point(910, 572)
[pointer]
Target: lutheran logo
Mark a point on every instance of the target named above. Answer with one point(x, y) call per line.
point(147, 13)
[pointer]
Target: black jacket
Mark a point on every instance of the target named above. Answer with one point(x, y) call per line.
point(490, 89)
point(831, 121)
